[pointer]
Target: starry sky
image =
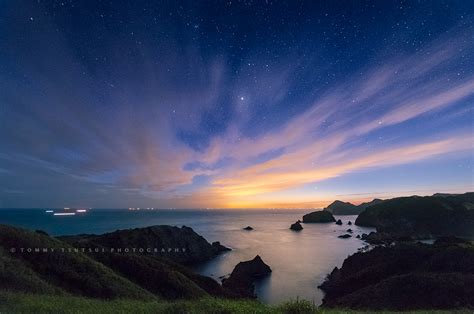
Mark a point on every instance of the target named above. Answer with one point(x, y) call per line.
point(233, 104)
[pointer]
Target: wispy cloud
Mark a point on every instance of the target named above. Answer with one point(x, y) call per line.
point(317, 143)
point(397, 110)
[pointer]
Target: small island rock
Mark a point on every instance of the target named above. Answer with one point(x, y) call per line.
point(321, 216)
point(296, 226)
point(248, 228)
point(345, 236)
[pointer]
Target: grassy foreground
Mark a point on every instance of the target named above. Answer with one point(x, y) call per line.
point(31, 303)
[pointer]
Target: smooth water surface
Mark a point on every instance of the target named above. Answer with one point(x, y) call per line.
point(300, 260)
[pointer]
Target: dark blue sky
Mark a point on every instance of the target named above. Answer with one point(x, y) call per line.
point(233, 104)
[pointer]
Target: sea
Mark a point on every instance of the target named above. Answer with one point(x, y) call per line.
point(300, 261)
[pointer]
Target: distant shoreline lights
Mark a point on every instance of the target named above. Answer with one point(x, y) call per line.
point(67, 212)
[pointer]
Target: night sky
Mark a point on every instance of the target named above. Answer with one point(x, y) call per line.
point(251, 104)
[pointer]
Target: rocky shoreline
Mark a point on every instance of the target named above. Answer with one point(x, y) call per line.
point(395, 273)
point(405, 276)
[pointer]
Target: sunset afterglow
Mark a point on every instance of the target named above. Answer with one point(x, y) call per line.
point(99, 112)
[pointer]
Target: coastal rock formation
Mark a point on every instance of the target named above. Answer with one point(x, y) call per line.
point(349, 223)
point(103, 274)
point(422, 217)
point(296, 226)
point(248, 228)
point(377, 238)
point(181, 245)
point(244, 274)
point(345, 208)
point(321, 216)
point(375, 201)
point(339, 222)
point(345, 236)
point(219, 248)
point(403, 277)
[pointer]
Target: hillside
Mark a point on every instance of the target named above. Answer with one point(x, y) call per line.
point(58, 271)
point(345, 208)
point(423, 217)
point(65, 270)
point(405, 277)
point(181, 245)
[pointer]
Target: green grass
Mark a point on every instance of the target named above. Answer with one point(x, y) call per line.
point(32, 303)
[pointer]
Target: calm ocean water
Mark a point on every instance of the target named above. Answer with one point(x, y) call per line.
point(300, 260)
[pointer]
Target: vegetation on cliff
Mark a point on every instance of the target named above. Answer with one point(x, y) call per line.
point(406, 276)
point(422, 217)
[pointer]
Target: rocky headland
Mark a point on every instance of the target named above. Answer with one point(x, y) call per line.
point(241, 280)
point(322, 216)
point(422, 217)
point(406, 276)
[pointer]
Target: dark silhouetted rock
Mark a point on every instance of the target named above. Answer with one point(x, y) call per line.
point(321, 216)
point(343, 208)
point(102, 274)
point(378, 238)
point(349, 230)
point(346, 208)
point(248, 228)
point(422, 217)
point(339, 222)
point(218, 247)
point(181, 245)
point(296, 226)
point(404, 277)
point(244, 274)
point(345, 236)
point(358, 236)
point(349, 223)
point(375, 201)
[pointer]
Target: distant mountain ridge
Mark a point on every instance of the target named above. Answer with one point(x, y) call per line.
point(345, 208)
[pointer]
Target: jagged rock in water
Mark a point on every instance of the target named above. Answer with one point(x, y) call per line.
point(296, 226)
point(244, 274)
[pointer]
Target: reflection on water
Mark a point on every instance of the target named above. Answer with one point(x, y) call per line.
point(300, 260)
